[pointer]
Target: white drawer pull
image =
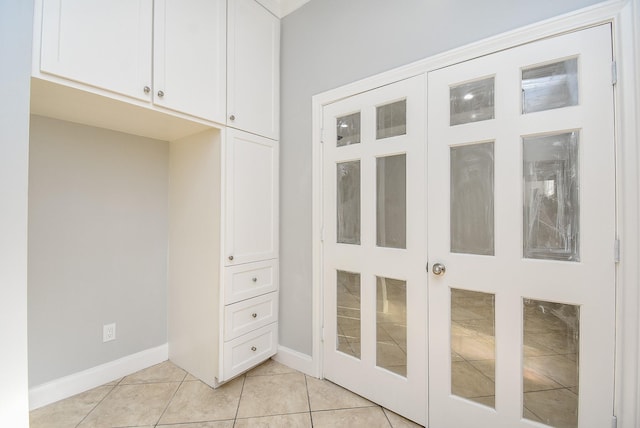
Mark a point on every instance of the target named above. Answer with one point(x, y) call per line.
point(254, 349)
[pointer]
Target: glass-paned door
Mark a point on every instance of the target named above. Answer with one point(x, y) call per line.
point(521, 230)
point(375, 246)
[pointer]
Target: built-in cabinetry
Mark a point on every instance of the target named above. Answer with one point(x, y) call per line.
point(254, 68)
point(163, 62)
point(223, 265)
point(203, 75)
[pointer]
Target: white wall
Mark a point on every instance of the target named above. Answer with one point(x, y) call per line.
point(98, 231)
point(328, 43)
point(15, 49)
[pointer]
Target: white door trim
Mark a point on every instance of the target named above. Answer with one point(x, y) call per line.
point(624, 15)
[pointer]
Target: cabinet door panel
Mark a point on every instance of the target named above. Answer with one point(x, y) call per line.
point(251, 223)
point(102, 43)
point(253, 68)
point(190, 57)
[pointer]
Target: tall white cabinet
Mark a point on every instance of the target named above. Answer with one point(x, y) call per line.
point(203, 75)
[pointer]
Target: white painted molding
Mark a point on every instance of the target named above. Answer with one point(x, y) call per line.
point(288, 6)
point(296, 360)
point(76, 383)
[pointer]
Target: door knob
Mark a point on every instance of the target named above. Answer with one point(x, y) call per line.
point(438, 269)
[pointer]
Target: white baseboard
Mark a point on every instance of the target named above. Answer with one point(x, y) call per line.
point(67, 386)
point(296, 360)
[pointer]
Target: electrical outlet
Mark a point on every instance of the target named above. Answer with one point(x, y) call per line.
point(108, 332)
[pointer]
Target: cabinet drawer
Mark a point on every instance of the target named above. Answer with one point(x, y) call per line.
point(249, 350)
point(250, 280)
point(248, 315)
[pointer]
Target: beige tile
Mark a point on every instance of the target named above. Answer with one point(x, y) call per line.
point(68, 412)
point(534, 381)
point(366, 417)
point(190, 377)
point(196, 402)
point(273, 395)
point(296, 420)
point(473, 348)
point(489, 401)
point(113, 382)
point(398, 421)
point(325, 395)
point(132, 405)
point(163, 372)
point(270, 367)
point(467, 381)
point(486, 367)
point(558, 407)
point(389, 354)
point(214, 424)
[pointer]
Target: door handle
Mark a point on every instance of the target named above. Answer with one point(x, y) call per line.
point(438, 269)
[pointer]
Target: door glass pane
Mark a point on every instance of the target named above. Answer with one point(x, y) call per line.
point(348, 313)
point(473, 354)
point(391, 322)
point(472, 101)
point(551, 360)
point(391, 188)
point(348, 129)
point(391, 120)
point(472, 199)
point(551, 197)
point(550, 86)
point(348, 203)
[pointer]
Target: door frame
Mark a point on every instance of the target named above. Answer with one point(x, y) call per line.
point(624, 15)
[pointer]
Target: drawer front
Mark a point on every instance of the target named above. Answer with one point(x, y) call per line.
point(243, 317)
point(247, 351)
point(250, 280)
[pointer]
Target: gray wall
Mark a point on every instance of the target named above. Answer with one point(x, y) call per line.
point(98, 230)
point(328, 43)
point(16, 29)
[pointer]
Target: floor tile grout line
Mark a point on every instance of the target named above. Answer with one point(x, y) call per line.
point(98, 403)
point(170, 400)
point(306, 387)
point(235, 417)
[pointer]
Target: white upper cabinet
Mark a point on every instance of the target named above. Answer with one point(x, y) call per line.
point(251, 198)
point(253, 68)
point(109, 44)
point(189, 70)
point(102, 43)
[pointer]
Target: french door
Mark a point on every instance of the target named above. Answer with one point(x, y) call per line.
point(374, 246)
point(514, 152)
point(521, 236)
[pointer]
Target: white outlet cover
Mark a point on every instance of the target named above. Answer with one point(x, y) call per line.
point(108, 332)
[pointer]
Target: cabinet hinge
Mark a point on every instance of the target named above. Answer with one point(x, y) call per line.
point(614, 422)
point(322, 234)
point(322, 136)
point(322, 334)
point(614, 73)
point(616, 251)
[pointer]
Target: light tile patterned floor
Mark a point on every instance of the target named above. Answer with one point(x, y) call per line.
point(271, 395)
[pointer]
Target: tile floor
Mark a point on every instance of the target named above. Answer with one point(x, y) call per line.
point(271, 395)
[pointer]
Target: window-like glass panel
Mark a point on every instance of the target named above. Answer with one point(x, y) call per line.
point(348, 130)
point(391, 209)
point(473, 346)
point(472, 101)
point(551, 197)
point(472, 199)
point(391, 321)
point(348, 313)
point(551, 362)
point(391, 120)
point(550, 86)
point(348, 202)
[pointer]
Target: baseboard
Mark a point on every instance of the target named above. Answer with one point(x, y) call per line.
point(67, 386)
point(296, 360)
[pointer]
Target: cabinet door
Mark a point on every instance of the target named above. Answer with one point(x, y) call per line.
point(251, 195)
point(253, 68)
point(190, 57)
point(102, 43)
